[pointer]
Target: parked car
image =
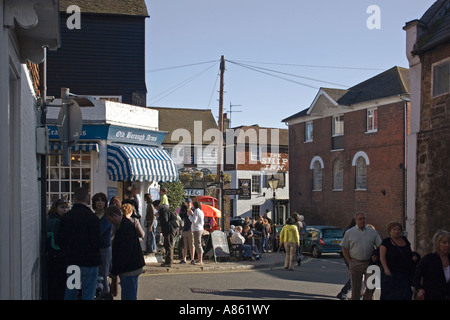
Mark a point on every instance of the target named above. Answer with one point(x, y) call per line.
point(323, 239)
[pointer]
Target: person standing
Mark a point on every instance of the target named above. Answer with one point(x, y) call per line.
point(186, 231)
point(151, 224)
point(127, 258)
point(169, 228)
point(164, 200)
point(197, 218)
point(396, 258)
point(289, 237)
point(99, 204)
point(432, 276)
point(80, 239)
point(358, 245)
point(56, 266)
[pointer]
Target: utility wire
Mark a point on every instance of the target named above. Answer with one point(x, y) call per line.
point(313, 66)
point(178, 86)
point(182, 66)
point(292, 75)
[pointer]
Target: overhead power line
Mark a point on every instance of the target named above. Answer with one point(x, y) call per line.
point(181, 66)
point(313, 66)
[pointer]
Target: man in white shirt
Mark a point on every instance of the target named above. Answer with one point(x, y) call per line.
point(358, 245)
point(238, 238)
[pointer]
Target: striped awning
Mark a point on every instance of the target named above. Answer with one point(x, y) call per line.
point(140, 163)
point(82, 146)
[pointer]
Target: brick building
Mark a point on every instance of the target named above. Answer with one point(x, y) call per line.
point(428, 52)
point(347, 153)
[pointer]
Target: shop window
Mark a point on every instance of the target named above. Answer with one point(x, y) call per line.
point(63, 180)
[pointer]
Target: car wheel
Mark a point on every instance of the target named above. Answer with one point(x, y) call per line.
point(315, 252)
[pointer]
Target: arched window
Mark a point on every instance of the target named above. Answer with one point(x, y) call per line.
point(317, 176)
point(360, 161)
point(316, 166)
point(361, 174)
point(338, 175)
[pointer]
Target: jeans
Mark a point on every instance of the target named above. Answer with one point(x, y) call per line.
point(247, 250)
point(151, 238)
point(88, 278)
point(129, 287)
point(103, 270)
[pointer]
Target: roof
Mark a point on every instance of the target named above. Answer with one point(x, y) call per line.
point(434, 26)
point(389, 83)
point(392, 82)
point(171, 119)
point(114, 7)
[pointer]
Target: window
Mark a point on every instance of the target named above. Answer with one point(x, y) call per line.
point(317, 176)
point(372, 120)
point(308, 132)
point(256, 184)
point(63, 180)
point(255, 153)
point(338, 175)
point(338, 125)
point(441, 78)
point(256, 212)
point(361, 174)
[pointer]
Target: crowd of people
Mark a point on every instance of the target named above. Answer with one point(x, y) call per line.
point(103, 240)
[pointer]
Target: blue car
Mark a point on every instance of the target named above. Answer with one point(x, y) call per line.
point(323, 239)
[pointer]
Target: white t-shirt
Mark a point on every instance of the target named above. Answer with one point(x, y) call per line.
point(198, 220)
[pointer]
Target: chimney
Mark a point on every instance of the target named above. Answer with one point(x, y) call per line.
point(226, 122)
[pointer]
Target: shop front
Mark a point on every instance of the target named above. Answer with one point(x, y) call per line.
point(110, 159)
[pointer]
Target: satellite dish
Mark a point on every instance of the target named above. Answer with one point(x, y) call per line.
point(70, 122)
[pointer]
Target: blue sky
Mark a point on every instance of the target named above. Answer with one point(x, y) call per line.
point(278, 52)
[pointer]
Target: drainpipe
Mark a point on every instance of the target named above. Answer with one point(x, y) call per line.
point(406, 99)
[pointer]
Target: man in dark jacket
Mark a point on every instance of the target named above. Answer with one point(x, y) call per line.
point(79, 238)
point(168, 224)
point(127, 258)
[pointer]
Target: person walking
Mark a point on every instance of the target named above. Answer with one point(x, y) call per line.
point(99, 204)
point(432, 276)
point(186, 232)
point(289, 237)
point(56, 266)
point(127, 258)
point(358, 245)
point(80, 239)
point(396, 258)
point(197, 218)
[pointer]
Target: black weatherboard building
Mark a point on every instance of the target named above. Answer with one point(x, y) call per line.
point(105, 57)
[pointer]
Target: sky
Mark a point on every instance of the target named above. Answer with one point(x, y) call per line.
point(278, 53)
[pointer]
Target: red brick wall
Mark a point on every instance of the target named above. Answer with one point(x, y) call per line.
point(385, 150)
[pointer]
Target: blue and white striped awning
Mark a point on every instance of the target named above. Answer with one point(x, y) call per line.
point(140, 163)
point(82, 146)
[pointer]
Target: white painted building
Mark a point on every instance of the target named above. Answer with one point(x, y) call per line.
point(26, 26)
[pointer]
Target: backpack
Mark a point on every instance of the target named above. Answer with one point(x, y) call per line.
point(175, 220)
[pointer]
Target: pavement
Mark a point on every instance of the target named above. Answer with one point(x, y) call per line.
point(269, 260)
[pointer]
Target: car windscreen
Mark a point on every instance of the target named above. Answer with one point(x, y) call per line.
point(332, 233)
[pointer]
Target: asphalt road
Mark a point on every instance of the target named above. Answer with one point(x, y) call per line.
point(318, 279)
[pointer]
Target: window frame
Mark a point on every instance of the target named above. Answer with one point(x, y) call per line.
point(334, 127)
point(309, 134)
point(372, 120)
point(433, 79)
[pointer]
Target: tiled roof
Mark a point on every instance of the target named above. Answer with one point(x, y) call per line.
point(283, 134)
point(392, 82)
point(114, 7)
point(171, 119)
point(389, 83)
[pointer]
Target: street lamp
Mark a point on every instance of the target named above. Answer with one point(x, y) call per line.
point(273, 184)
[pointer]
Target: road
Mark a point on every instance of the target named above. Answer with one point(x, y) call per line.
point(318, 279)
